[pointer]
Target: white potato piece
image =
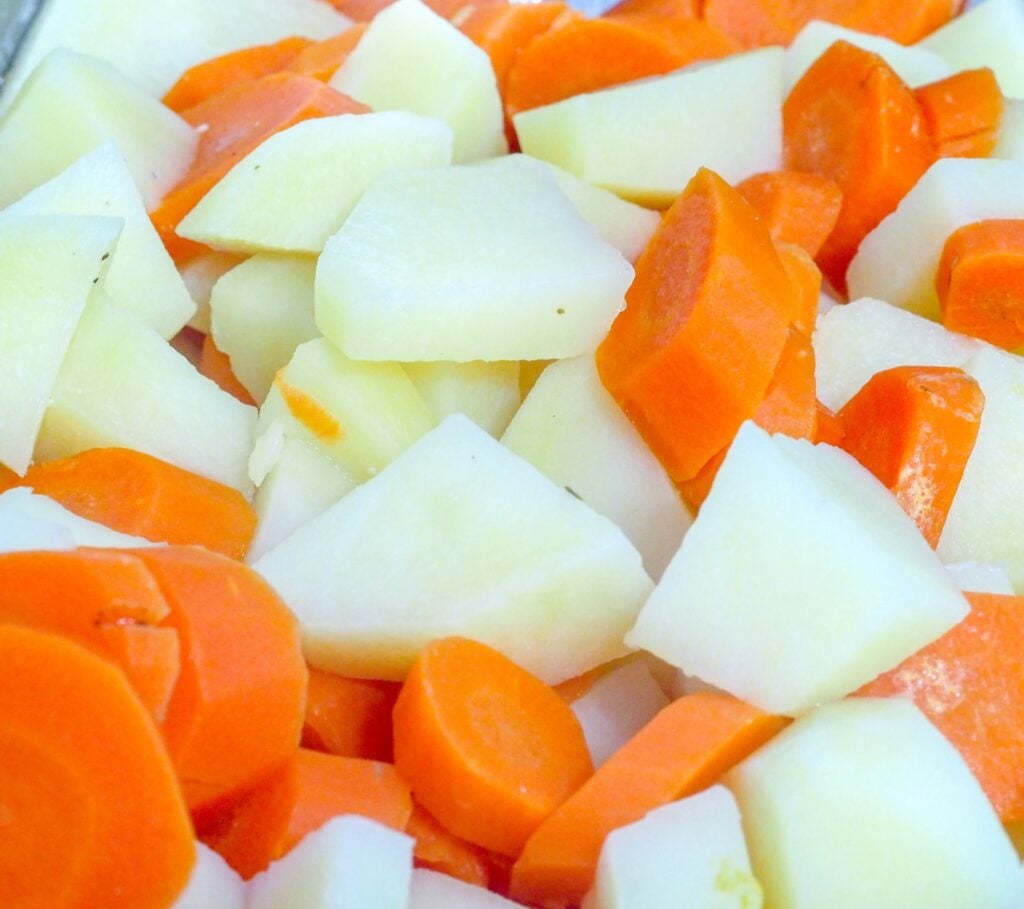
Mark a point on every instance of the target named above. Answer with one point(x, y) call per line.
point(487, 393)
point(43, 516)
point(21, 532)
point(70, 105)
point(617, 706)
point(122, 385)
point(260, 312)
point(571, 429)
point(363, 415)
point(411, 59)
point(915, 65)
point(213, 884)
point(984, 521)
point(864, 803)
point(200, 274)
point(296, 189)
point(1010, 141)
point(459, 537)
point(141, 276)
point(853, 342)
point(468, 263)
point(800, 580)
point(640, 140)
point(349, 862)
point(689, 854)
point(49, 265)
point(433, 890)
point(981, 577)
point(991, 34)
point(897, 261)
point(154, 43)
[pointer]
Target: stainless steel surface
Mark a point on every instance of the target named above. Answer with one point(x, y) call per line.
point(15, 18)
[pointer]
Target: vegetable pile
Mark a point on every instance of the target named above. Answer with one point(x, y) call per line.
point(481, 454)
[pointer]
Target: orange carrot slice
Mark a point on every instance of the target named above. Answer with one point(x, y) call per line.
point(830, 429)
point(8, 479)
point(92, 812)
point(685, 748)
point(487, 748)
point(914, 428)
point(805, 282)
point(852, 119)
point(216, 366)
point(969, 684)
point(963, 112)
point(691, 356)
point(440, 850)
point(322, 58)
point(980, 282)
point(796, 207)
point(138, 494)
point(349, 717)
point(150, 658)
point(236, 712)
point(298, 798)
point(673, 9)
point(206, 79)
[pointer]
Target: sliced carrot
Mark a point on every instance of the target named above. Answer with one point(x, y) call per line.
point(796, 207)
point(321, 59)
point(969, 684)
point(216, 366)
point(349, 717)
point(852, 119)
point(573, 689)
point(963, 112)
point(206, 79)
point(231, 124)
point(830, 429)
point(487, 748)
point(138, 494)
point(674, 9)
point(236, 712)
point(360, 10)
point(685, 748)
point(691, 356)
point(440, 850)
point(150, 657)
point(914, 428)
point(695, 490)
point(805, 282)
point(299, 797)
point(92, 812)
point(8, 479)
point(980, 282)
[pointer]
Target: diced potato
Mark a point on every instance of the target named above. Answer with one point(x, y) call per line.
point(213, 884)
point(200, 273)
point(981, 577)
point(487, 393)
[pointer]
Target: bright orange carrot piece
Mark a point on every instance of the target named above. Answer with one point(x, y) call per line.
point(440, 850)
point(963, 113)
point(216, 366)
point(852, 119)
point(349, 717)
point(206, 79)
point(691, 356)
point(92, 812)
point(302, 795)
point(231, 124)
point(685, 748)
point(969, 684)
point(914, 428)
point(8, 479)
point(322, 58)
point(236, 712)
point(138, 494)
point(830, 429)
point(797, 208)
point(672, 9)
point(487, 748)
point(150, 657)
point(980, 282)
point(805, 282)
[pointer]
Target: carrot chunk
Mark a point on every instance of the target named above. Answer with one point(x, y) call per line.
point(321, 59)
point(963, 112)
point(92, 812)
point(691, 356)
point(216, 366)
point(488, 749)
point(805, 283)
point(299, 797)
point(685, 748)
point(8, 479)
point(138, 494)
point(150, 658)
point(830, 429)
point(349, 717)
point(980, 282)
point(852, 119)
point(797, 208)
point(673, 9)
point(440, 850)
point(914, 428)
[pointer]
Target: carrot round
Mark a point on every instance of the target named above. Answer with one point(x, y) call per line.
point(914, 428)
point(440, 850)
point(487, 748)
point(92, 813)
point(216, 366)
point(349, 717)
point(685, 748)
point(796, 207)
point(236, 712)
point(980, 282)
point(150, 658)
point(321, 59)
point(963, 113)
point(298, 798)
point(138, 494)
point(706, 318)
point(852, 119)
